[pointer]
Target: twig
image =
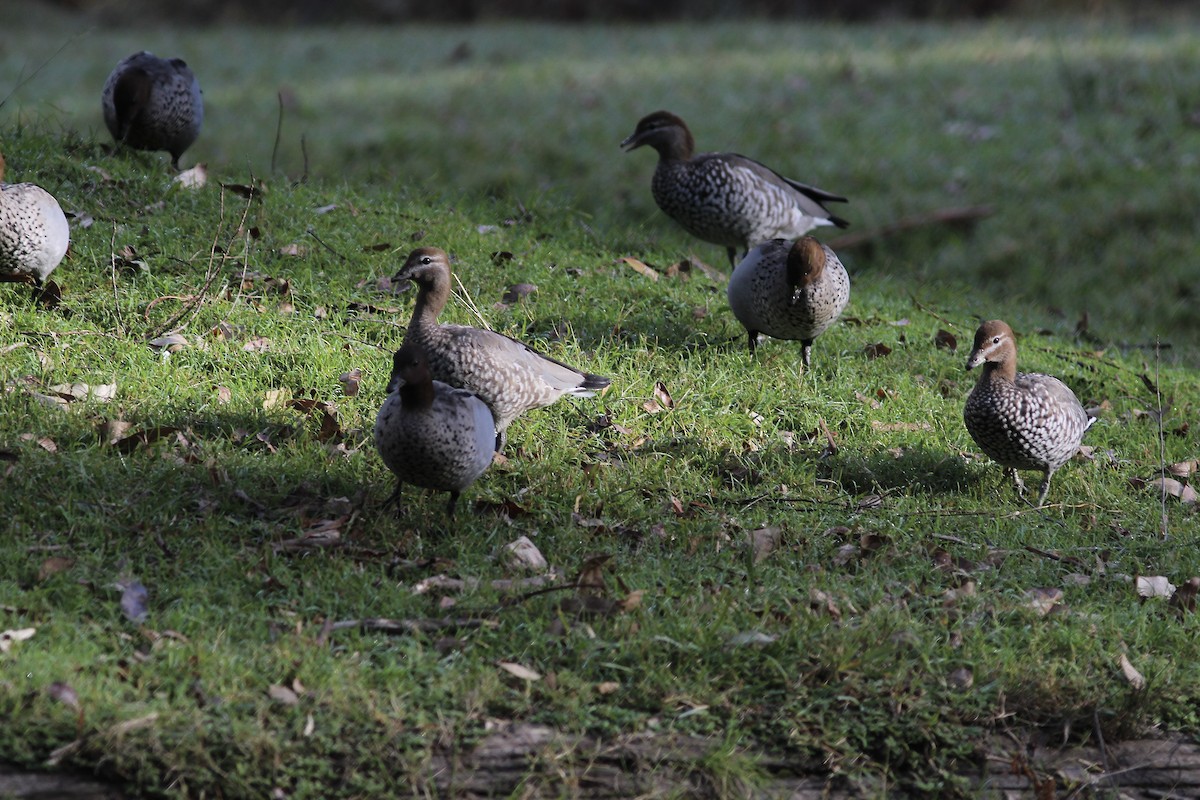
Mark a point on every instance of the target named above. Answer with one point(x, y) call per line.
point(40, 67)
point(1162, 444)
point(942, 216)
point(278, 131)
point(181, 320)
point(465, 297)
point(931, 312)
point(1037, 551)
point(410, 625)
point(112, 263)
point(313, 234)
point(304, 152)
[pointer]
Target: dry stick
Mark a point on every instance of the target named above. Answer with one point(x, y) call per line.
point(278, 131)
point(943, 216)
point(470, 304)
point(21, 82)
point(1162, 445)
point(304, 152)
point(921, 306)
point(112, 263)
point(178, 322)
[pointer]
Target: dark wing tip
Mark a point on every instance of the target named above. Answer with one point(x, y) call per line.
point(594, 382)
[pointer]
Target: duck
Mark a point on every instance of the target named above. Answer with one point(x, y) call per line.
point(34, 234)
point(1022, 421)
point(789, 290)
point(153, 103)
point(431, 434)
point(726, 198)
point(506, 374)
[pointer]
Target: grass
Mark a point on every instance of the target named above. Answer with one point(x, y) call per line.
point(901, 558)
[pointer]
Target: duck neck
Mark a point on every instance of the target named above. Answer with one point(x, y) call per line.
point(431, 299)
point(1000, 371)
point(417, 395)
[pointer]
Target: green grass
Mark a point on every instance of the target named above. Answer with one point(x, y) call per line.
point(1077, 134)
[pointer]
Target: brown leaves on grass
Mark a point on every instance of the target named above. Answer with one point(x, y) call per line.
point(641, 267)
point(662, 400)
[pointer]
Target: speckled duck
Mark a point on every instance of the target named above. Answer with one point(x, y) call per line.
point(34, 233)
point(1020, 420)
point(506, 374)
point(789, 290)
point(153, 103)
point(726, 198)
point(430, 434)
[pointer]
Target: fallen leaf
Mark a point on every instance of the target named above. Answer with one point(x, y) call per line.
point(524, 554)
point(282, 695)
point(877, 350)
point(63, 693)
point(257, 344)
point(962, 678)
point(641, 267)
point(350, 381)
point(607, 687)
point(128, 444)
point(663, 396)
point(1185, 596)
point(276, 398)
point(134, 597)
point(54, 565)
point(750, 639)
point(945, 340)
point(1155, 586)
point(520, 671)
point(7, 638)
point(170, 343)
point(194, 178)
point(1044, 601)
point(1135, 678)
point(900, 426)
point(224, 394)
point(763, 541)
point(518, 292)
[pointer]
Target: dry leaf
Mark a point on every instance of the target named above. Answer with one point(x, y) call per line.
point(276, 398)
point(63, 693)
point(1185, 596)
point(877, 350)
point(607, 687)
point(350, 381)
point(764, 541)
point(7, 638)
point(1044, 601)
point(900, 426)
point(170, 343)
point(134, 597)
point(1156, 586)
point(522, 672)
point(1135, 678)
point(662, 398)
point(257, 344)
point(224, 394)
point(518, 292)
point(945, 340)
point(962, 678)
point(641, 266)
point(524, 554)
point(128, 444)
point(54, 565)
point(283, 695)
point(194, 178)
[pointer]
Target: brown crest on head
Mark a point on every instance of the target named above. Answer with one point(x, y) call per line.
point(805, 262)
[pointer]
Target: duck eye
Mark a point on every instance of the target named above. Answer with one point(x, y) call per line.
point(996, 340)
point(426, 260)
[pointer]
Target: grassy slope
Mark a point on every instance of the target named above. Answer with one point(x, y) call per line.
point(1059, 144)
